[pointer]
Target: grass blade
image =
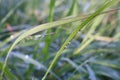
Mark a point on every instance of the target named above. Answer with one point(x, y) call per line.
point(106, 5)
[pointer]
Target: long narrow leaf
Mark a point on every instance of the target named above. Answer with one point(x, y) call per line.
point(106, 5)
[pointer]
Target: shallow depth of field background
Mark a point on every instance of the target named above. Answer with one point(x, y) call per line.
point(98, 45)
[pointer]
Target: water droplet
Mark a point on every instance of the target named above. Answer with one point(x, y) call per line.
point(65, 47)
point(69, 43)
point(26, 56)
point(11, 36)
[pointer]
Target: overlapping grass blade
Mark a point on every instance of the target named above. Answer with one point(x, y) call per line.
point(87, 42)
point(35, 30)
point(48, 39)
point(106, 5)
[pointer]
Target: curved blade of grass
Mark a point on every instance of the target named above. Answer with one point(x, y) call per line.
point(97, 21)
point(35, 30)
point(106, 5)
point(87, 42)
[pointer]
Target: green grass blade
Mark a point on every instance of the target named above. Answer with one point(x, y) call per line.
point(40, 28)
point(72, 8)
point(106, 5)
point(35, 30)
point(48, 39)
point(87, 42)
point(51, 12)
point(97, 21)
